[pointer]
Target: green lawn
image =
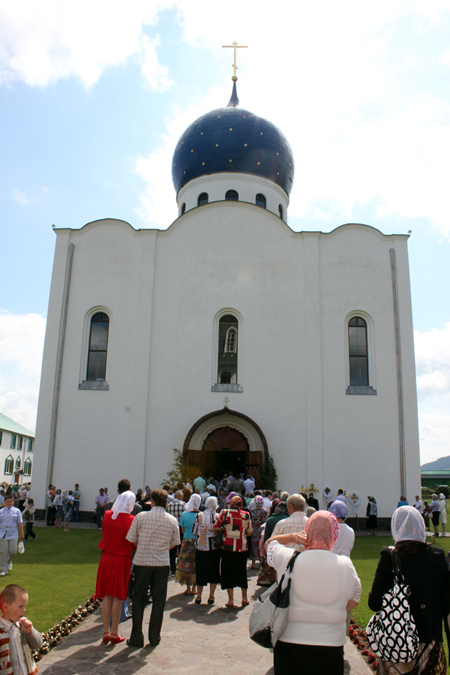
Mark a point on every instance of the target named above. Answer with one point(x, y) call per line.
point(58, 571)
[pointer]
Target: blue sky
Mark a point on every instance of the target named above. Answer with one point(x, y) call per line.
point(94, 96)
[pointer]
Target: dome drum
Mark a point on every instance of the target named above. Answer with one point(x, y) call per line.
point(248, 187)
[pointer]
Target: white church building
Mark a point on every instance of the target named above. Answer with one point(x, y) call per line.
point(230, 337)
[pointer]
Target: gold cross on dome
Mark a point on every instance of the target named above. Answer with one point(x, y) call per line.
point(234, 46)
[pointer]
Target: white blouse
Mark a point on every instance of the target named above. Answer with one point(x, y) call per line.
point(322, 585)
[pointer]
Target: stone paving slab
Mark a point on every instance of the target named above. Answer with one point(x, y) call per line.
point(195, 638)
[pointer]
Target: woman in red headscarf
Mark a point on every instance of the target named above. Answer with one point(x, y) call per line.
point(324, 585)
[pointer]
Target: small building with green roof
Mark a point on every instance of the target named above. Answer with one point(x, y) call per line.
point(16, 447)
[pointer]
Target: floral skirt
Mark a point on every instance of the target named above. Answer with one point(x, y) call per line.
point(186, 563)
point(430, 660)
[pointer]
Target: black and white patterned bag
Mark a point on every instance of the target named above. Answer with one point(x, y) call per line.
point(392, 632)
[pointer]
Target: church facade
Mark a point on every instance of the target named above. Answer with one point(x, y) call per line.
point(230, 337)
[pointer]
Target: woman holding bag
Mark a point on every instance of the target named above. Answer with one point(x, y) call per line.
point(425, 570)
point(237, 527)
point(324, 586)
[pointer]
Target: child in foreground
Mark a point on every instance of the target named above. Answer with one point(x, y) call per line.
point(17, 635)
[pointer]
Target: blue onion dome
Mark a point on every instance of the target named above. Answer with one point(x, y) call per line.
point(233, 140)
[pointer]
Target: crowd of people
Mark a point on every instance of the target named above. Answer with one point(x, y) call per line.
point(210, 533)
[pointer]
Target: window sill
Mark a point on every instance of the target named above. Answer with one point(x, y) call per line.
point(234, 388)
point(98, 385)
point(361, 390)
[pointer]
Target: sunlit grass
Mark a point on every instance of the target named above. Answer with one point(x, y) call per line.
point(58, 571)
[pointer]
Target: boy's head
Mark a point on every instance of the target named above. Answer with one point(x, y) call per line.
point(9, 501)
point(13, 602)
point(30, 501)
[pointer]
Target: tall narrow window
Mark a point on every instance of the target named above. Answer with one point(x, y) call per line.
point(98, 345)
point(19, 442)
point(1, 437)
point(357, 345)
point(18, 463)
point(30, 445)
point(27, 467)
point(228, 350)
point(280, 211)
point(183, 208)
point(232, 196)
point(202, 199)
point(260, 200)
point(9, 465)
point(13, 441)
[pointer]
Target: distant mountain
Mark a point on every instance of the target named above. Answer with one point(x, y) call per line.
point(441, 464)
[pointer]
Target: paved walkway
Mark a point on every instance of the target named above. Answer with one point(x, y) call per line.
point(195, 638)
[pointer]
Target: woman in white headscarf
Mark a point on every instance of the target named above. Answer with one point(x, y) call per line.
point(425, 569)
point(207, 557)
point(185, 573)
point(115, 563)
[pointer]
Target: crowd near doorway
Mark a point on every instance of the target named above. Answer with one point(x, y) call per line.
point(224, 450)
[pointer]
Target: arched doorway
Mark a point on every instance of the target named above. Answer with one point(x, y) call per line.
point(225, 440)
point(225, 450)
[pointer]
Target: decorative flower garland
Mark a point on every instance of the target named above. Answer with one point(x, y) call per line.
point(57, 633)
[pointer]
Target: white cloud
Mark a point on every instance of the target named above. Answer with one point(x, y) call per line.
point(43, 42)
point(433, 364)
point(22, 199)
point(432, 350)
point(21, 347)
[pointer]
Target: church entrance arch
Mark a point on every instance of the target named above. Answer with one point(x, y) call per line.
point(225, 450)
point(223, 441)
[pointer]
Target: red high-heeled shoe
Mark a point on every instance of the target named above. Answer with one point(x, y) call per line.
point(115, 639)
point(106, 638)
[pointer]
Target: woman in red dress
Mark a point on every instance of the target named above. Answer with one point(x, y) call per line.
point(115, 563)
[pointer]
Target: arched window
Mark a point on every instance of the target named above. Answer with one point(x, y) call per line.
point(18, 463)
point(98, 346)
point(202, 199)
point(280, 210)
point(183, 208)
point(228, 350)
point(27, 467)
point(260, 200)
point(357, 347)
point(232, 196)
point(9, 465)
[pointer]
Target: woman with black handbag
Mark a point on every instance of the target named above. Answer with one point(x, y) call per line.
point(323, 587)
point(424, 568)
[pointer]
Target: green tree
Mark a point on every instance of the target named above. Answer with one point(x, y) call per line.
point(269, 476)
point(178, 472)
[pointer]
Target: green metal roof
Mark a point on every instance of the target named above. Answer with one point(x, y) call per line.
point(437, 472)
point(7, 424)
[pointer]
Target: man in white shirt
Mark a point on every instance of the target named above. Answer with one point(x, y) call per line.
point(418, 505)
point(341, 497)
point(11, 529)
point(297, 519)
point(249, 484)
point(155, 532)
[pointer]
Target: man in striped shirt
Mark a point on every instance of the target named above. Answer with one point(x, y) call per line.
point(155, 532)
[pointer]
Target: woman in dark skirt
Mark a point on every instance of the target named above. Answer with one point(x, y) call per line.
point(207, 557)
point(238, 527)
